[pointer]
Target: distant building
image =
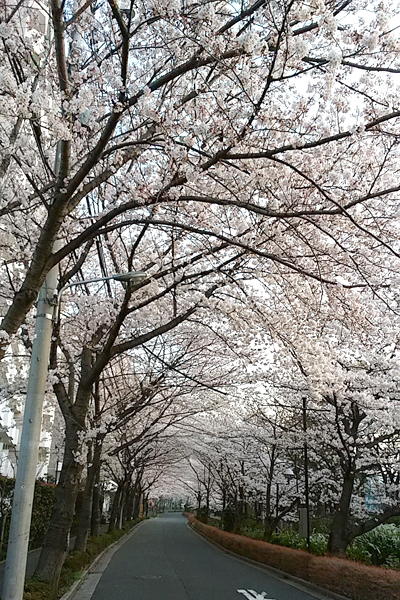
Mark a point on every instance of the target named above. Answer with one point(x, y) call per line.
point(374, 494)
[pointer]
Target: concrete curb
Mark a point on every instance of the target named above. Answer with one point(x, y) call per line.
point(301, 584)
point(97, 567)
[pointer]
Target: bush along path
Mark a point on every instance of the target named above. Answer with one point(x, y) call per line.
point(345, 577)
point(379, 547)
point(75, 565)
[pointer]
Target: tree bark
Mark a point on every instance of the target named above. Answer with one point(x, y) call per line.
point(270, 524)
point(87, 502)
point(122, 508)
point(136, 503)
point(56, 543)
point(115, 509)
point(339, 536)
point(97, 507)
point(4, 516)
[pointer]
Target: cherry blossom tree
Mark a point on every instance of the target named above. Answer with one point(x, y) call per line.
point(348, 372)
point(219, 147)
point(268, 130)
point(144, 341)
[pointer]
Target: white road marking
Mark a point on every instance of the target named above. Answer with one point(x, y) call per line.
point(252, 595)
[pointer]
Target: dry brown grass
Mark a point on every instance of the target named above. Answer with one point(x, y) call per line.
point(348, 578)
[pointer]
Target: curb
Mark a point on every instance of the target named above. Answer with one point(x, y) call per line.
point(111, 550)
point(302, 584)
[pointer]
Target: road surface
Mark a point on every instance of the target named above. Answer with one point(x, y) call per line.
point(164, 560)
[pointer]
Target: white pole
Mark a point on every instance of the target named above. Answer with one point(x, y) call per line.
point(14, 576)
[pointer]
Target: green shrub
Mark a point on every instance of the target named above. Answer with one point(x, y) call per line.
point(392, 562)
point(318, 543)
point(357, 551)
point(253, 531)
point(321, 525)
point(289, 539)
point(228, 519)
point(381, 546)
point(41, 513)
point(36, 590)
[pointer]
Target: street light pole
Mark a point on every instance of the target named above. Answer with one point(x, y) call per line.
point(306, 488)
point(131, 276)
point(17, 550)
point(47, 312)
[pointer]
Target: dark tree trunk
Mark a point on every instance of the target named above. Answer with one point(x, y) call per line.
point(87, 501)
point(238, 515)
point(339, 538)
point(56, 543)
point(115, 509)
point(122, 508)
point(97, 507)
point(35, 275)
point(269, 527)
point(130, 504)
point(207, 504)
point(198, 505)
point(3, 528)
point(136, 503)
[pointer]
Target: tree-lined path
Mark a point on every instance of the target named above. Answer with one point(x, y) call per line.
point(164, 560)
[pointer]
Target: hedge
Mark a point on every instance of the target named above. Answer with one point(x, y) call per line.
point(348, 578)
point(41, 512)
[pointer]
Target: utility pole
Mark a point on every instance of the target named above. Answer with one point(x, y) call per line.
point(306, 491)
point(14, 576)
point(21, 515)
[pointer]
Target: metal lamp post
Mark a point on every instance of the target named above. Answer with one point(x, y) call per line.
point(306, 510)
point(131, 276)
point(47, 312)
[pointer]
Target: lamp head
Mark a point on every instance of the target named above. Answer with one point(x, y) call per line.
point(133, 276)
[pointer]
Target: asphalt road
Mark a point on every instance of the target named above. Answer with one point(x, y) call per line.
point(165, 560)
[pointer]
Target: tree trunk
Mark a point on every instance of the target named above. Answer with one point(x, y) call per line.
point(56, 543)
point(130, 504)
point(269, 527)
point(3, 528)
point(198, 505)
point(339, 539)
point(115, 509)
point(206, 516)
point(238, 516)
point(36, 273)
point(87, 501)
point(97, 507)
point(122, 508)
point(136, 503)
